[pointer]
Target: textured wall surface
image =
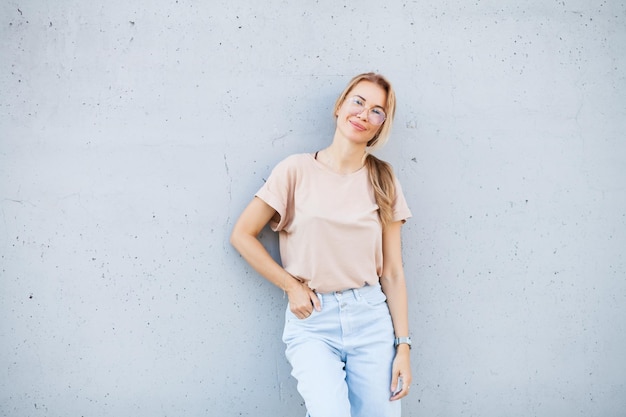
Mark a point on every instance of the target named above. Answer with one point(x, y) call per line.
point(132, 134)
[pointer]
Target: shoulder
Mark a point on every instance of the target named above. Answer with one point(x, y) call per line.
point(297, 158)
point(293, 162)
point(291, 167)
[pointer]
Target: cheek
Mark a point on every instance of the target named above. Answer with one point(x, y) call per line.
point(376, 131)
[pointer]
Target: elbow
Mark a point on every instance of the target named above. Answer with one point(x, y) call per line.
point(392, 278)
point(238, 238)
point(234, 239)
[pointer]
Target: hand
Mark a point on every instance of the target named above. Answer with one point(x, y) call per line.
point(302, 300)
point(401, 367)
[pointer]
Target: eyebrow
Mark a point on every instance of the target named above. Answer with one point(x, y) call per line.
point(364, 99)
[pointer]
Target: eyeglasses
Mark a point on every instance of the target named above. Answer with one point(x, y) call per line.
point(375, 115)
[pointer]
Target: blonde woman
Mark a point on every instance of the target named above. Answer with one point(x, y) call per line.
point(339, 212)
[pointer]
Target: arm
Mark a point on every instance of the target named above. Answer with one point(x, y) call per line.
point(394, 287)
point(244, 238)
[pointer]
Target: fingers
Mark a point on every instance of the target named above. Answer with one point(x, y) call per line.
point(403, 392)
point(302, 313)
point(400, 386)
point(303, 301)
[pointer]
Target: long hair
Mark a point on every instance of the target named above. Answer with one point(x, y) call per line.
point(380, 173)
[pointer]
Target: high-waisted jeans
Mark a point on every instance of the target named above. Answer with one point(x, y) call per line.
point(342, 355)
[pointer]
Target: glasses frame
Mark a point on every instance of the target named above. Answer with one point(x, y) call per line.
point(359, 108)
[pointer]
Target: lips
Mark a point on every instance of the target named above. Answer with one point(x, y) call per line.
point(357, 125)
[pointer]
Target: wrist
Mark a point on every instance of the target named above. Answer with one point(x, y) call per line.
point(290, 282)
point(402, 342)
point(403, 349)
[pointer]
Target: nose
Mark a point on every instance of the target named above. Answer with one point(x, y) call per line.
point(363, 114)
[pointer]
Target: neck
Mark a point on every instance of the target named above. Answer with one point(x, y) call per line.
point(343, 159)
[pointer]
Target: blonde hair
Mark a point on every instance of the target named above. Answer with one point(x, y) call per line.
point(380, 172)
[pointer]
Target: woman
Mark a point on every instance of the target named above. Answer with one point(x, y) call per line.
point(339, 212)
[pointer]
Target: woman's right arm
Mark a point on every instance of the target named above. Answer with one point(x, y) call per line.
point(244, 238)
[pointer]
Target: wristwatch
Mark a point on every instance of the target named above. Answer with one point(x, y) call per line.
point(401, 340)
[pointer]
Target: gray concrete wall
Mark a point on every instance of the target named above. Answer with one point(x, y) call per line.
point(132, 134)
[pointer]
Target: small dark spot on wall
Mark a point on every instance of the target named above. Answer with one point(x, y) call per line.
point(22, 14)
point(30, 296)
point(131, 22)
point(414, 159)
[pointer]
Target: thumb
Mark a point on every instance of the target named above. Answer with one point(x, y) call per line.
point(315, 300)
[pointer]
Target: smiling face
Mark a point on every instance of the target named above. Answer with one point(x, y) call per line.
point(357, 128)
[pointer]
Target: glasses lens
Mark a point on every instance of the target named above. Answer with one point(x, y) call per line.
point(376, 116)
point(356, 105)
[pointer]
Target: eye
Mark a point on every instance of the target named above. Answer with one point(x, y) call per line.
point(378, 111)
point(357, 101)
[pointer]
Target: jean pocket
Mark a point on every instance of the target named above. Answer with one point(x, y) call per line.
point(374, 297)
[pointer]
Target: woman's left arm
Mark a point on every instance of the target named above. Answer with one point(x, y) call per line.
point(394, 286)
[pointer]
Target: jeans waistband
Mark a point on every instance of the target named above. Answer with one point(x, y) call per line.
point(354, 293)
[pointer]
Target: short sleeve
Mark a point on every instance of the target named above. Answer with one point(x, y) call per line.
point(277, 192)
point(401, 211)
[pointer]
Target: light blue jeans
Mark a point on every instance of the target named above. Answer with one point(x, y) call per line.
point(342, 355)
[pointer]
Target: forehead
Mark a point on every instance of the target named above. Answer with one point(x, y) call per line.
point(374, 94)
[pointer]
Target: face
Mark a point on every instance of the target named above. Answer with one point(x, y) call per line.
point(358, 127)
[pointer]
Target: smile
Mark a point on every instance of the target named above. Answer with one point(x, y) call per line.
point(357, 126)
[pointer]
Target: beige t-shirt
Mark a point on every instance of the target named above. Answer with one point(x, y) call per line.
point(330, 234)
